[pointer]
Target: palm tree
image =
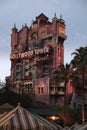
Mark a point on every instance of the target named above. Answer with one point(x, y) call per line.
point(79, 62)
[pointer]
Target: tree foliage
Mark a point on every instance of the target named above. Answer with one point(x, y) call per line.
point(13, 98)
point(79, 62)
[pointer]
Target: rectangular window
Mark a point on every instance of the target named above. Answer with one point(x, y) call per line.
point(41, 89)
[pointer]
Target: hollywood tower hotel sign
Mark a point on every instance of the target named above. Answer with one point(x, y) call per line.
point(36, 51)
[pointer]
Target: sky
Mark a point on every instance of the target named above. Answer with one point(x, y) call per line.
point(21, 12)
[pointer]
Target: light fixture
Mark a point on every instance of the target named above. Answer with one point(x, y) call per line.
point(54, 118)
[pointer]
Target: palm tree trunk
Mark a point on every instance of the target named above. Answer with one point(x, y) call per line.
point(65, 103)
point(83, 114)
point(83, 107)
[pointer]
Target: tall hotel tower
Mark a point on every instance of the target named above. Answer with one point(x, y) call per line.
point(37, 51)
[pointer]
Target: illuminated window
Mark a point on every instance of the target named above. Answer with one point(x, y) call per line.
point(41, 89)
point(38, 90)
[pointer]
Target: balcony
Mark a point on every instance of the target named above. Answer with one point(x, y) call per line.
point(59, 93)
point(26, 66)
point(26, 73)
point(26, 61)
point(18, 77)
point(18, 70)
point(45, 36)
point(61, 84)
point(18, 63)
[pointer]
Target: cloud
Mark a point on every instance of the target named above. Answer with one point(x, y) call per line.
point(4, 40)
point(82, 36)
point(4, 68)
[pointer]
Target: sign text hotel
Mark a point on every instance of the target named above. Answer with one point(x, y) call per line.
point(29, 53)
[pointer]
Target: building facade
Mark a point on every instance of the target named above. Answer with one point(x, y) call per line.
point(36, 52)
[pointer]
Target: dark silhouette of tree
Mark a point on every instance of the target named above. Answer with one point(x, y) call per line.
point(79, 63)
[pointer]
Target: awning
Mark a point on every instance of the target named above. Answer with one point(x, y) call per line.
point(77, 126)
point(81, 127)
point(20, 119)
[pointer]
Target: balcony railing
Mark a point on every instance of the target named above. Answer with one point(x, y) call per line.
point(26, 66)
point(56, 92)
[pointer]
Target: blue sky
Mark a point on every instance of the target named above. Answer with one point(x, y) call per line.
point(21, 12)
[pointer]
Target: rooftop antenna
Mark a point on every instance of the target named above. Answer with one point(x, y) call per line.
point(55, 18)
point(14, 25)
point(14, 28)
point(55, 15)
point(60, 16)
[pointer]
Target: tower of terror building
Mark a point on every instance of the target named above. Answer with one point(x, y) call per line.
point(37, 51)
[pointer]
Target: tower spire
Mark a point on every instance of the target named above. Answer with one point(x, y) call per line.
point(14, 29)
point(60, 16)
point(55, 15)
point(55, 18)
point(14, 25)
